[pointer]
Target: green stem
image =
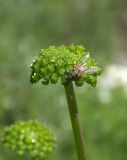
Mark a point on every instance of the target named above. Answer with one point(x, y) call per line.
point(74, 115)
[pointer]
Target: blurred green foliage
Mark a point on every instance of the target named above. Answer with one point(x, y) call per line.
point(26, 26)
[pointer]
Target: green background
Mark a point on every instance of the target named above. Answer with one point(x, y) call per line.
point(26, 26)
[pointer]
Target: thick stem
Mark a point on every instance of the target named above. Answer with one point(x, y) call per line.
point(72, 105)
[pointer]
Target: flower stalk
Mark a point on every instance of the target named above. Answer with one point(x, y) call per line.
point(74, 116)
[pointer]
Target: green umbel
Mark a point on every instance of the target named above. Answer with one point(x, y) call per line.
point(64, 63)
point(29, 137)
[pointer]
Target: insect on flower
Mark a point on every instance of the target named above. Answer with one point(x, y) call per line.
point(81, 68)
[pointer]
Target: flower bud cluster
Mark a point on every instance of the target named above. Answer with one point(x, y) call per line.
point(29, 137)
point(56, 63)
